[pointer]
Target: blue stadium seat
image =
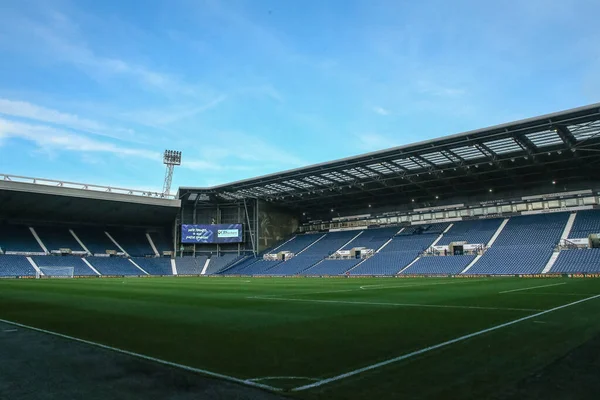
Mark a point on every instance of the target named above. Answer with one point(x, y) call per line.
point(577, 261)
point(474, 232)
point(524, 246)
point(586, 223)
point(190, 265)
point(55, 238)
point(114, 266)
point(332, 267)
point(15, 266)
point(79, 267)
point(18, 238)
point(439, 265)
point(95, 239)
point(154, 265)
point(134, 242)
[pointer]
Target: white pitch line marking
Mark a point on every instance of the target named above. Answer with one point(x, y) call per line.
point(270, 378)
point(434, 347)
point(10, 330)
point(372, 303)
point(533, 287)
point(144, 357)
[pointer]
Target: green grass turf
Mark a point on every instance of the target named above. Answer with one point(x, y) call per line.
point(324, 327)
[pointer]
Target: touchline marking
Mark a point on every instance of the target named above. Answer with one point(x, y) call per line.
point(10, 330)
point(434, 347)
point(144, 357)
point(384, 286)
point(533, 287)
point(372, 303)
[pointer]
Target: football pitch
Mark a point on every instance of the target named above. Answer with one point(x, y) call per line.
point(338, 338)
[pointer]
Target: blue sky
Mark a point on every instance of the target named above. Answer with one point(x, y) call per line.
point(94, 91)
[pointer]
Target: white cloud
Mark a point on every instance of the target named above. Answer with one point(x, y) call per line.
point(48, 138)
point(22, 109)
point(165, 116)
point(380, 110)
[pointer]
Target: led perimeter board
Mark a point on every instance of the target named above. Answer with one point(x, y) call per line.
point(218, 233)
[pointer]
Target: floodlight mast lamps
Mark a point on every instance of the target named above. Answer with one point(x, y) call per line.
point(171, 159)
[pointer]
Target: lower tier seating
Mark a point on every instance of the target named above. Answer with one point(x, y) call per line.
point(114, 266)
point(155, 265)
point(332, 267)
point(80, 268)
point(575, 261)
point(15, 266)
point(513, 260)
point(442, 265)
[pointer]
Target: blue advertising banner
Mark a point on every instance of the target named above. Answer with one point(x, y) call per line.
point(219, 233)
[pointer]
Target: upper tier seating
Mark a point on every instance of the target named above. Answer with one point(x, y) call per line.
point(134, 242)
point(524, 246)
point(18, 238)
point(114, 266)
point(154, 265)
point(55, 238)
point(577, 261)
point(261, 267)
point(372, 238)
point(80, 268)
point(439, 265)
point(474, 232)
point(190, 265)
point(15, 266)
point(586, 223)
point(161, 242)
point(95, 240)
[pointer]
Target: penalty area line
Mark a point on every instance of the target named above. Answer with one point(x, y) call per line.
point(148, 358)
point(533, 287)
point(434, 347)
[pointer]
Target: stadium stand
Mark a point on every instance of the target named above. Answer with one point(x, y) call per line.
point(577, 261)
point(372, 238)
point(442, 265)
point(15, 266)
point(401, 251)
point(586, 223)
point(55, 238)
point(18, 238)
point(134, 242)
point(114, 266)
point(332, 267)
point(318, 250)
point(154, 265)
point(79, 267)
point(524, 246)
point(473, 232)
point(161, 242)
point(190, 265)
point(95, 240)
point(217, 264)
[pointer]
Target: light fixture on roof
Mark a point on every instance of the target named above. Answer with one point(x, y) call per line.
point(332, 210)
point(491, 190)
point(437, 197)
point(369, 206)
point(413, 200)
point(554, 182)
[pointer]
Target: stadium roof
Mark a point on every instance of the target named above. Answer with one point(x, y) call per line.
point(30, 199)
point(563, 146)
